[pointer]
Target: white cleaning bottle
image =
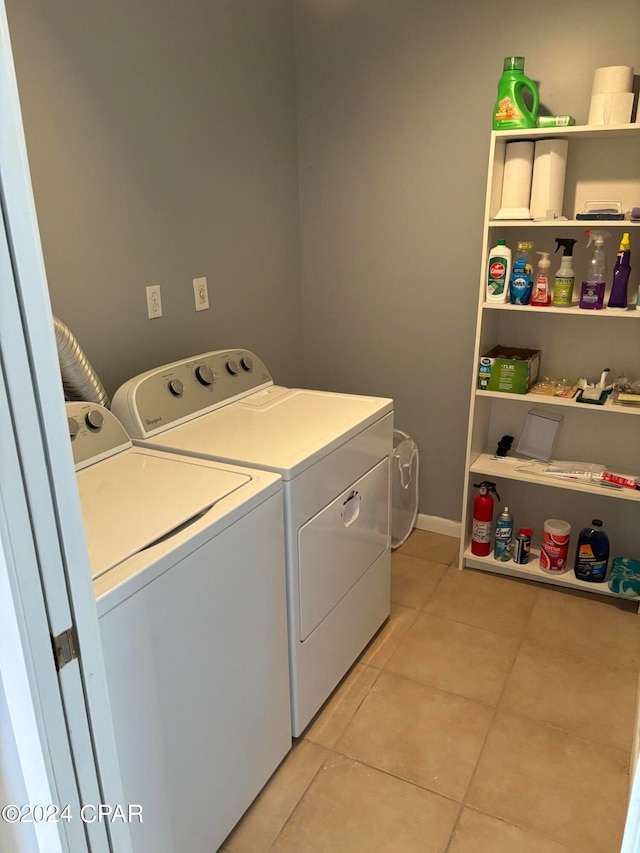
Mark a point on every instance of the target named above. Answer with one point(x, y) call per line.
point(541, 294)
point(498, 272)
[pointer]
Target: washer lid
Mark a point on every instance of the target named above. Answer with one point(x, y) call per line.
point(277, 429)
point(138, 497)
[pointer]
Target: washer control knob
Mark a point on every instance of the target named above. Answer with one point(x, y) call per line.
point(94, 419)
point(176, 387)
point(232, 368)
point(74, 427)
point(246, 363)
point(204, 374)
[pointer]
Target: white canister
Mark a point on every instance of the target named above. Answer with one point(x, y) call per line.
point(555, 546)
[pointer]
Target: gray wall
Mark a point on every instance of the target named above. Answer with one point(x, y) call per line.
point(162, 145)
point(394, 103)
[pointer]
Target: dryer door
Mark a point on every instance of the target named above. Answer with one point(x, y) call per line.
point(339, 544)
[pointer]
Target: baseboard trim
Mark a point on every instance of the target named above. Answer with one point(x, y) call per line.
point(435, 524)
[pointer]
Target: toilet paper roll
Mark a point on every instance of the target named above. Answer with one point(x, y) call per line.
point(611, 79)
point(547, 185)
point(614, 108)
point(516, 181)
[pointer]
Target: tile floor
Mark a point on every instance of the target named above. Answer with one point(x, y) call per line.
point(489, 715)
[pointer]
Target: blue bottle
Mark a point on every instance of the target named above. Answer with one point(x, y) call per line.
point(521, 282)
point(592, 554)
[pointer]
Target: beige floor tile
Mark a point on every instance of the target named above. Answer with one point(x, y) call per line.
point(553, 782)
point(581, 695)
point(484, 600)
point(469, 661)
point(336, 713)
point(419, 733)
point(480, 833)
point(413, 579)
point(386, 641)
point(260, 825)
point(350, 808)
point(431, 546)
point(605, 629)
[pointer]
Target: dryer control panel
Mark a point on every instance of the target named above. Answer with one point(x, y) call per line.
point(177, 392)
point(95, 433)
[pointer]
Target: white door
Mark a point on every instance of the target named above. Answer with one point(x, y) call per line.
point(60, 721)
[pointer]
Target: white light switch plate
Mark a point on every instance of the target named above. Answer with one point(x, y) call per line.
point(201, 293)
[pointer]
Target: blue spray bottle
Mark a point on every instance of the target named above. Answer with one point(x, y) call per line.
point(618, 296)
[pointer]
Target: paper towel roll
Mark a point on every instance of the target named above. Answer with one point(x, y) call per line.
point(516, 181)
point(547, 185)
point(614, 108)
point(612, 78)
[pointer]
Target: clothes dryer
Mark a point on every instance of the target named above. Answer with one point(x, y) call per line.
point(187, 559)
point(332, 451)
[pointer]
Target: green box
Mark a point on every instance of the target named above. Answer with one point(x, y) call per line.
point(509, 369)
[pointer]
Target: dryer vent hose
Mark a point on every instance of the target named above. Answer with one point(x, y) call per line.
point(79, 379)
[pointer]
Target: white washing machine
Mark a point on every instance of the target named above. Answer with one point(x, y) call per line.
point(332, 451)
point(187, 557)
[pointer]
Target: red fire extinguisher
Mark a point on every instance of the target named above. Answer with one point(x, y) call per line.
point(483, 518)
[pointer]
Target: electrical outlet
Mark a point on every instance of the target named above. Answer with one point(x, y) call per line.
point(201, 294)
point(154, 302)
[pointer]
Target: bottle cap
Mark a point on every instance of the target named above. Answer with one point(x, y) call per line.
point(513, 63)
point(596, 522)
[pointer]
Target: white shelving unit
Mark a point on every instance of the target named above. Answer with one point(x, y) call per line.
point(602, 163)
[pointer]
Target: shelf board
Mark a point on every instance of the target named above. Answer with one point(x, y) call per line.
point(532, 571)
point(613, 131)
point(563, 223)
point(550, 310)
point(510, 468)
point(545, 400)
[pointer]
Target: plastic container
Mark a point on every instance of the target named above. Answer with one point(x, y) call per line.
point(510, 111)
point(521, 281)
point(565, 277)
point(593, 287)
point(404, 487)
point(498, 272)
point(555, 547)
point(503, 536)
point(541, 294)
point(592, 554)
point(619, 289)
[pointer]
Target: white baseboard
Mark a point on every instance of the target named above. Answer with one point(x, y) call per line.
point(435, 524)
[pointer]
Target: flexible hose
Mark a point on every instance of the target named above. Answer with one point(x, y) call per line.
point(79, 379)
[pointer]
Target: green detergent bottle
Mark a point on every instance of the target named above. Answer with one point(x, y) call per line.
point(510, 111)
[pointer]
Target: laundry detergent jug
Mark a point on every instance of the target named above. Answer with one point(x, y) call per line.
point(510, 111)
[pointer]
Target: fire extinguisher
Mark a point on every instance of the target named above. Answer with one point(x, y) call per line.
point(483, 518)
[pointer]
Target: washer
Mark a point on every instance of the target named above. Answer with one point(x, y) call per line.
point(187, 559)
point(332, 451)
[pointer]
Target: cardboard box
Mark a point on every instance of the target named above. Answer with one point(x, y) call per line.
point(508, 369)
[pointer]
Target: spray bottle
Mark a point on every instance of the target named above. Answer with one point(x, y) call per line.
point(593, 287)
point(541, 294)
point(521, 276)
point(563, 283)
point(618, 296)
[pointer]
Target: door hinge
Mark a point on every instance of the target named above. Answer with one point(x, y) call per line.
point(65, 647)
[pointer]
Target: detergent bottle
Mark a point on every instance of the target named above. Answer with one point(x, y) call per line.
point(521, 275)
point(593, 287)
point(618, 296)
point(541, 294)
point(564, 278)
point(510, 111)
point(498, 272)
